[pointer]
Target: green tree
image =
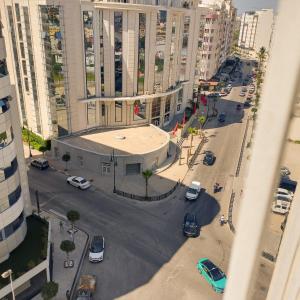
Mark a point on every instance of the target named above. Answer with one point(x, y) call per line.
point(67, 246)
point(43, 149)
point(49, 290)
point(73, 216)
point(66, 157)
point(192, 131)
point(147, 174)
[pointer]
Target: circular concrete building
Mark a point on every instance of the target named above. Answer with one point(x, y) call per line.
point(135, 149)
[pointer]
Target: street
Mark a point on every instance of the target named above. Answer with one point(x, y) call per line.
point(146, 256)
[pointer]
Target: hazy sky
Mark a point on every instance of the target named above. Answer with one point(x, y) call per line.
point(243, 5)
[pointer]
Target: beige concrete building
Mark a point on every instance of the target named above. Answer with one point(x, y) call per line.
point(256, 30)
point(15, 203)
point(88, 64)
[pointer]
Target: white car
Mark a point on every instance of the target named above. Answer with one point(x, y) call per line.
point(281, 207)
point(96, 252)
point(281, 191)
point(283, 197)
point(78, 182)
point(193, 191)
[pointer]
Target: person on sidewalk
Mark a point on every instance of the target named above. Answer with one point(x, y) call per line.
point(68, 295)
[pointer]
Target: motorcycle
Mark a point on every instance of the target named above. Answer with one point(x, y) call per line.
point(222, 220)
point(238, 107)
point(217, 188)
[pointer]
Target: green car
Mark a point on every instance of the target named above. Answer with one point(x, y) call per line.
point(213, 275)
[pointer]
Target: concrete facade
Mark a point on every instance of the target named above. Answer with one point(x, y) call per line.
point(15, 203)
point(88, 64)
point(256, 30)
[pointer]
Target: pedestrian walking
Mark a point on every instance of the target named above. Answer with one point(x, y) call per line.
point(61, 226)
point(68, 295)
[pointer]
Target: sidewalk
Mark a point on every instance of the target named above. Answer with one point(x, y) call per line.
point(64, 277)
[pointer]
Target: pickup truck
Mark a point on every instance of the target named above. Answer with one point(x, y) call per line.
point(86, 287)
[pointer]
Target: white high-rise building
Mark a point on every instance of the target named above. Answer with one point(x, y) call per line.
point(15, 203)
point(87, 64)
point(256, 30)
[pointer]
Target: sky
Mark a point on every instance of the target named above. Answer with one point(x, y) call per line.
point(243, 5)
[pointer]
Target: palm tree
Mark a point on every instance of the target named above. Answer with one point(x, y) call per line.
point(67, 246)
point(262, 53)
point(49, 290)
point(73, 216)
point(66, 157)
point(192, 131)
point(147, 174)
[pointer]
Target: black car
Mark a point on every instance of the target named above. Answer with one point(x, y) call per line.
point(40, 163)
point(247, 103)
point(222, 117)
point(190, 225)
point(288, 184)
point(209, 158)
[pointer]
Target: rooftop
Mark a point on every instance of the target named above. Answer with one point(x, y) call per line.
point(125, 141)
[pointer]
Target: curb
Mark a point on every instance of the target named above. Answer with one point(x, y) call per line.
point(230, 209)
point(72, 290)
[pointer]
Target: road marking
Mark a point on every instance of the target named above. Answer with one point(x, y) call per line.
point(57, 213)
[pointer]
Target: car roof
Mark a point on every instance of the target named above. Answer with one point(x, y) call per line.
point(208, 264)
point(40, 160)
point(197, 183)
point(98, 238)
point(284, 190)
point(78, 178)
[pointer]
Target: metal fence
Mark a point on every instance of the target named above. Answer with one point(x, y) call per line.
point(149, 198)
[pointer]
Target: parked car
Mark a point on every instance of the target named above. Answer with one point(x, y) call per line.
point(284, 192)
point(209, 158)
point(78, 182)
point(86, 287)
point(190, 225)
point(284, 171)
point(281, 207)
point(222, 117)
point(242, 94)
point(284, 197)
point(288, 184)
point(247, 103)
point(244, 89)
point(193, 191)
point(251, 91)
point(96, 252)
point(212, 274)
point(40, 163)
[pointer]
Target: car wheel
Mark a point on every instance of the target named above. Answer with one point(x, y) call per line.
point(68, 182)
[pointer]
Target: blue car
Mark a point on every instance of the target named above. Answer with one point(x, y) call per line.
point(212, 274)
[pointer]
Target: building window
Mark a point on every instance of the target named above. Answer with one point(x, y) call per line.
point(91, 113)
point(178, 107)
point(180, 96)
point(24, 67)
point(19, 26)
point(118, 22)
point(139, 110)
point(4, 105)
point(172, 52)
point(167, 109)
point(184, 47)
point(14, 196)
point(103, 110)
point(101, 52)
point(105, 168)
point(6, 137)
point(161, 25)
point(3, 68)
point(14, 226)
point(141, 54)
point(54, 48)
point(89, 54)
point(118, 111)
point(155, 115)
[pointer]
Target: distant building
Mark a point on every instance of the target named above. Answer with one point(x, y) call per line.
point(256, 30)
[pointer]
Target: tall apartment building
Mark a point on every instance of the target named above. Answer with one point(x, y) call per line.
point(256, 30)
point(85, 64)
point(14, 193)
point(215, 36)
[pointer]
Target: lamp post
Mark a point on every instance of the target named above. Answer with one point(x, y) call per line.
point(7, 274)
point(114, 160)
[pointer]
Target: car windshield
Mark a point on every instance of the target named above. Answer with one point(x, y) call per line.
point(192, 191)
point(97, 247)
point(82, 181)
point(216, 274)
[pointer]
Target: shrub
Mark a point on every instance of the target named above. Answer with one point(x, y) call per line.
point(36, 141)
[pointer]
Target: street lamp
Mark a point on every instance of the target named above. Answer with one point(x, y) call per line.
point(114, 160)
point(7, 274)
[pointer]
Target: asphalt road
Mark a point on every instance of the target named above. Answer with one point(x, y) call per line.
point(146, 255)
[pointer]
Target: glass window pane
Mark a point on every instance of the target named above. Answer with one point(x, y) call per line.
point(118, 18)
point(172, 52)
point(184, 47)
point(141, 54)
point(118, 111)
point(139, 110)
point(161, 25)
point(91, 113)
point(89, 53)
